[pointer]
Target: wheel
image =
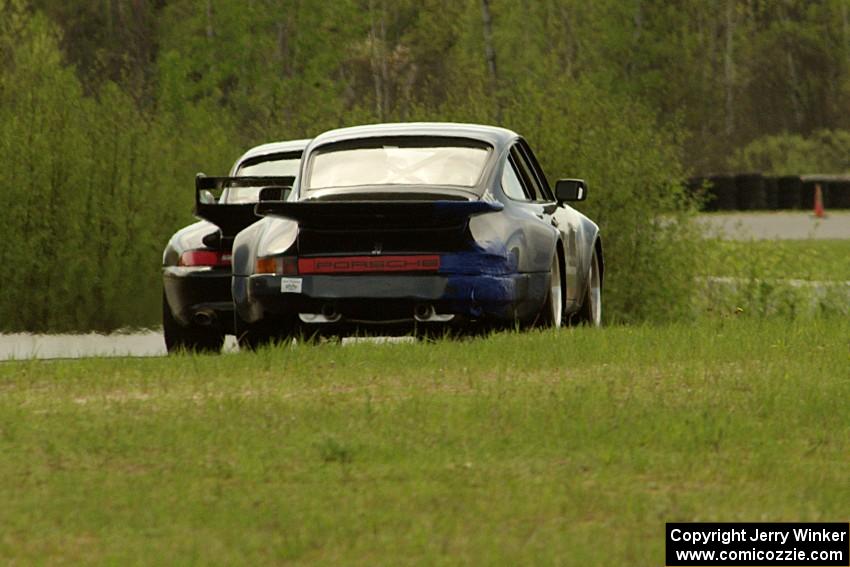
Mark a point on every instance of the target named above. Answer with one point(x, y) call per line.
point(552, 313)
point(191, 338)
point(250, 336)
point(591, 308)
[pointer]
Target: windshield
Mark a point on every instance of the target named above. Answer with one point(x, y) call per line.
point(277, 165)
point(433, 161)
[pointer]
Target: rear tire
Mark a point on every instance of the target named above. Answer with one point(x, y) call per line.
point(191, 338)
point(591, 308)
point(552, 314)
point(250, 336)
point(253, 336)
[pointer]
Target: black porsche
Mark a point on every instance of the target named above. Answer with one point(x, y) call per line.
point(417, 224)
point(197, 309)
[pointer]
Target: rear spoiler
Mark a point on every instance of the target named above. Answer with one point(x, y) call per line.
point(230, 218)
point(377, 214)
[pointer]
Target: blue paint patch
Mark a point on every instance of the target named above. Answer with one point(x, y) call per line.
point(481, 289)
point(477, 263)
point(478, 295)
point(483, 281)
point(491, 261)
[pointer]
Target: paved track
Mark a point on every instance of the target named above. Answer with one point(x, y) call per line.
point(785, 225)
point(25, 346)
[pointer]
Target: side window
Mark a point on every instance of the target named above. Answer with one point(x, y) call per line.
point(527, 175)
point(511, 184)
point(531, 159)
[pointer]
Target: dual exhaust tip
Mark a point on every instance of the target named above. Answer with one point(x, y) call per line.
point(422, 312)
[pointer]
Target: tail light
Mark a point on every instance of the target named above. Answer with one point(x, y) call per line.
point(282, 265)
point(211, 258)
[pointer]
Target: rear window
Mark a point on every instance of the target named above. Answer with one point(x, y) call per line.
point(276, 165)
point(411, 161)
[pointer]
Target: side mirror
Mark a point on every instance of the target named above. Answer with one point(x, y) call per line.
point(273, 193)
point(570, 190)
point(206, 197)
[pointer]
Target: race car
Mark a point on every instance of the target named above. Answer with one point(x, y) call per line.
point(412, 226)
point(197, 309)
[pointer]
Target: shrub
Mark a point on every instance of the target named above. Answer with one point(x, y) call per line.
point(636, 193)
point(93, 187)
point(825, 151)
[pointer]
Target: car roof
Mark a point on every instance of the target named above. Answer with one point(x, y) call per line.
point(274, 148)
point(497, 137)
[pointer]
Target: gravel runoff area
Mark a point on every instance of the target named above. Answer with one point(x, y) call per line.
point(789, 225)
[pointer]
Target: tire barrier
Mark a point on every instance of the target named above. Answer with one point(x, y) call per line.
point(771, 193)
point(838, 195)
point(751, 192)
point(789, 192)
point(722, 194)
point(807, 196)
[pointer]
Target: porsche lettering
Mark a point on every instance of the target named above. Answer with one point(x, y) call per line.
point(364, 264)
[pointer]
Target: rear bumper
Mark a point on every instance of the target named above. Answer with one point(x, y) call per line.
point(392, 297)
point(193, 290)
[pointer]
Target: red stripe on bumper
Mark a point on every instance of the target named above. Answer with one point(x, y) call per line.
point(367, 264)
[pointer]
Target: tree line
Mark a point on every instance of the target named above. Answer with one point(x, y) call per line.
point(109, 107)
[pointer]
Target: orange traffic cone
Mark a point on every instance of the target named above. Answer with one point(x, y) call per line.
point(819, 212)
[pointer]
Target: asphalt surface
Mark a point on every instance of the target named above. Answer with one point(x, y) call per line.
point(25, 346)
point(738, 226)
point(779, 225)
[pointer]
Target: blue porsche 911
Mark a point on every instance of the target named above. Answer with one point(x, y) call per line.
point(414, 226)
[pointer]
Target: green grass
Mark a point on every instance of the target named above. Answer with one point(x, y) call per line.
point(789, 259)
point(555, 448)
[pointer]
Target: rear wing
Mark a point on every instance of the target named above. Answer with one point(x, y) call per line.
point(231, 218)
point(387, 215)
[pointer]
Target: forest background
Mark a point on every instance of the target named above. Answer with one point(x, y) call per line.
point(109, 107)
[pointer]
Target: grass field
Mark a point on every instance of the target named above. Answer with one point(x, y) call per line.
point(571, 448)
point(811, 259)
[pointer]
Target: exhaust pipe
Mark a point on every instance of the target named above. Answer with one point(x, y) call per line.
point(329, 312)
point(204, 317)
point(423, 312)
